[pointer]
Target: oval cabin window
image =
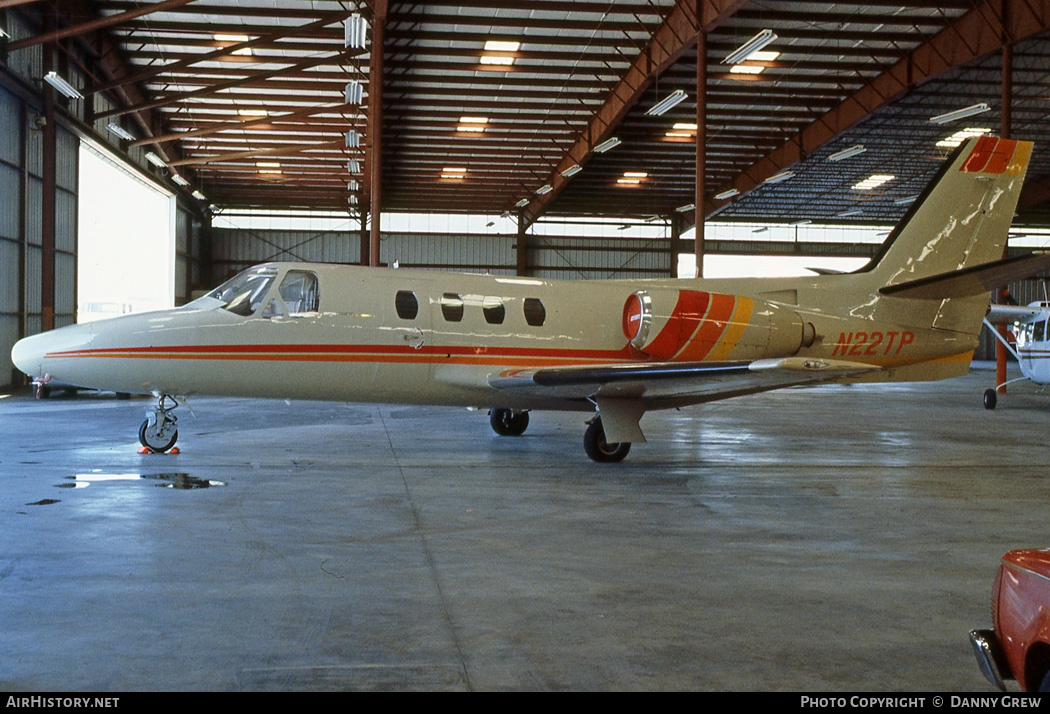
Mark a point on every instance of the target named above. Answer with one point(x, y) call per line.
point(452, 307)
point(406, 304)
point(494, 310)
point(535, 314)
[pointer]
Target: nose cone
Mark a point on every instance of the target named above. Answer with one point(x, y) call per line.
point(36, 355)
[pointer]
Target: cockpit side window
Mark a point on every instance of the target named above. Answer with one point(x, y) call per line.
point(244, 293)
point(1039, 332)
point(299, 292)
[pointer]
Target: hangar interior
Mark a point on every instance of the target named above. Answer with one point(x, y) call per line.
point(544, 138)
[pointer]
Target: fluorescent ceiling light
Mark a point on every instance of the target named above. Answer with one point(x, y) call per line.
point(760, 56)
point(454, 172)
point(745, 50)
point(502, 46)
point(635, 174)
point(493, 59)
point(62, 85)
point(873, 181)
point(959, 137)
point(353, 93)
point(628, 181)
point(179, 180)
point(121, 131)
point(545, 188)
point(267, 164)
point(686, 207)
point(154, 159)
point(354, 32)
point(729, 193)
point(960, 114)
point(472, 124)
point(746, 69)
point(782, 176)
point(610, 143)
point(905, 200)
point(678, 135)
point(3, 33)
point(235, 39)
point(253, 112)
point(352, 186)
point(353, 166)
point(199, 196)
point(522, 203)
point(572, 170)
point(854, 212)
point(683, 126)
point(270, 171)
point(847, 153)
point(353, 139)
point(667, 103)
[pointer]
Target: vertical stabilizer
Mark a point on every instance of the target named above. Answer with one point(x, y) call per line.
point(961, 220)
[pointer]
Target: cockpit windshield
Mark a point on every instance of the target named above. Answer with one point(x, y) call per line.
point(243, 293)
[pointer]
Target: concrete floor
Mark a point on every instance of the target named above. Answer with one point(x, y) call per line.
point(829, 539)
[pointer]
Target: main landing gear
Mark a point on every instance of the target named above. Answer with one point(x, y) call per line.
point(159, 432)
point(598, 448)
point(507, 422)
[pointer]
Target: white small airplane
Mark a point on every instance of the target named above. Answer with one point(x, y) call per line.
point(614, 348)
point(1032, 349)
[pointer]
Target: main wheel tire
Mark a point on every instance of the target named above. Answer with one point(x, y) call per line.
point(153, 442)
point(599, 449)
point(990, 398)
point(506, 422)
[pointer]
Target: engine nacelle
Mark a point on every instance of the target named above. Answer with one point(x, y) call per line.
point(694, 325)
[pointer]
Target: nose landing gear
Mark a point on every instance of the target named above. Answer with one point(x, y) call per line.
point(159, 432)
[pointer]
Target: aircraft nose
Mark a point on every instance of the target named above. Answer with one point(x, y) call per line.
point(30, 354)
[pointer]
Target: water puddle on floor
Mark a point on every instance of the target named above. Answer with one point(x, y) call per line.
point(177, 480)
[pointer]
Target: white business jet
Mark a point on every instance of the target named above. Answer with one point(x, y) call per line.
point(614, 348)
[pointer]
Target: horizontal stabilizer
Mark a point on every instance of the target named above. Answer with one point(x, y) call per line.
point(970, 282)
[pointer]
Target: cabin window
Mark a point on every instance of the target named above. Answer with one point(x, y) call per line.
point(406, 304)
point(1039, 332)
point(535, 313)
point(494, 310)
point(299, 292)
point(452, 307)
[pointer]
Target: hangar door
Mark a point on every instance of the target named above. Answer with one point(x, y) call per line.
point(126, 240)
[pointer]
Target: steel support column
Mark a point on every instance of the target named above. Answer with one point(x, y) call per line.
point(701, 149)
point(375, 127)
point(1005, 128)
point(48, 188)
point(522, 247)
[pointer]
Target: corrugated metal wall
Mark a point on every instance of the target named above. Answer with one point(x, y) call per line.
point(11, 247)
point(549, 256)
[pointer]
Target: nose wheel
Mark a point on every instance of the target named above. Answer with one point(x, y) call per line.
point(159, 432)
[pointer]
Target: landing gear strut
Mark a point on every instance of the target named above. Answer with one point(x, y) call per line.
point(507, 422)
point(159, 432)
point(598, 448)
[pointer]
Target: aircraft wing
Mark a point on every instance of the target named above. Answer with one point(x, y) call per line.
point(667, 384)
point(1016, 313)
